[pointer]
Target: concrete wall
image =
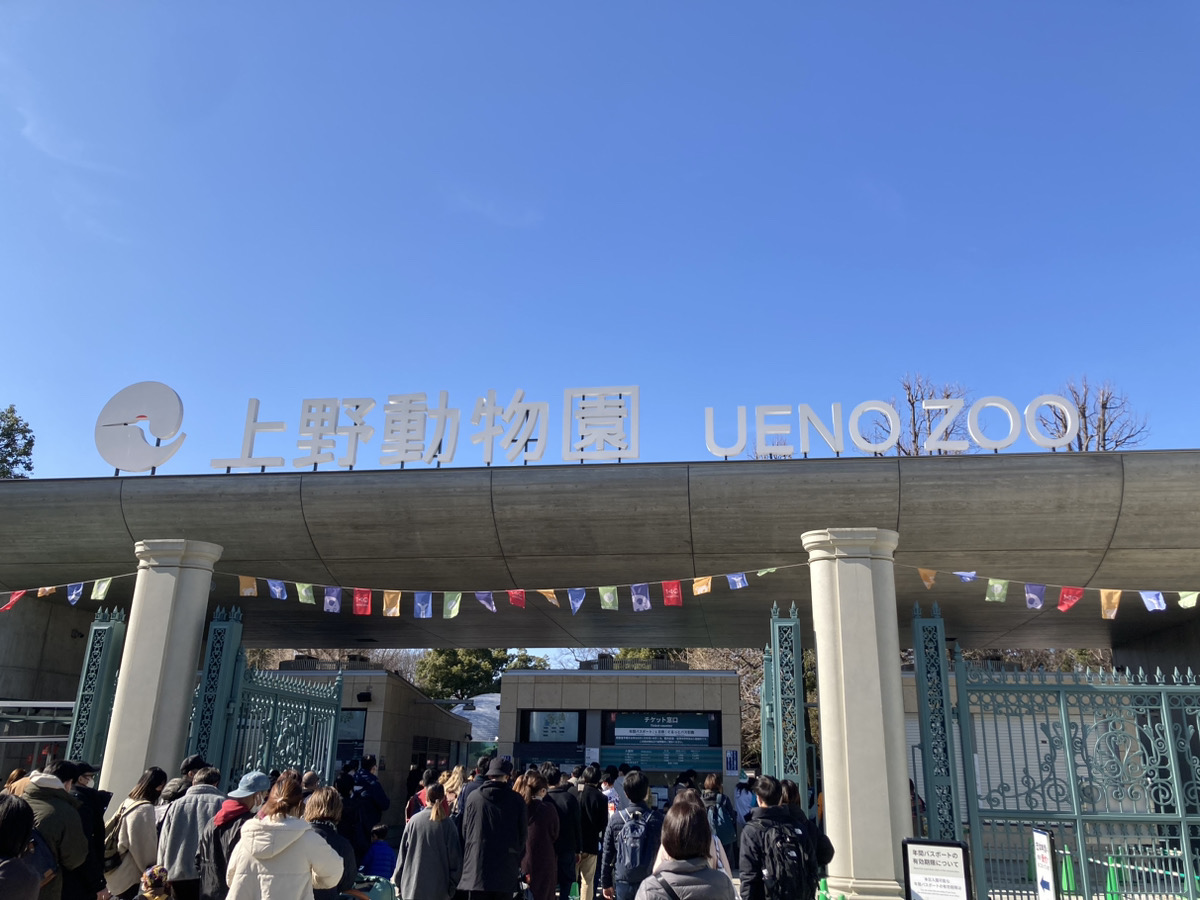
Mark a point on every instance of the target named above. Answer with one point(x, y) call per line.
point(41, 659)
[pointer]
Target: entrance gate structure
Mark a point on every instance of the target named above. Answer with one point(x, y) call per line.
point(1108, 762)
point(786, 751)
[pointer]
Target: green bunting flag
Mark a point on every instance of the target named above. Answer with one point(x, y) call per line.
point(608, 597)
point(997, 590)
point(450, 601)
point(305, 592)
point(1187, 599)
point(100, 588)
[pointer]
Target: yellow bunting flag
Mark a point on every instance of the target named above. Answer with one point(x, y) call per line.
point(551, 596)
point(701, 585)
point(1108, 603)
point(100, 588)
point(391, 603)
point(928, 576)
point(1187, 599)
point(247, 586)
point(46, 592)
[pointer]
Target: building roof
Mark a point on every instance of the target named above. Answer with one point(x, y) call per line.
point(1115, 520)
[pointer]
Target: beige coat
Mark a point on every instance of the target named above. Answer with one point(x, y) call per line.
point(281, 858)
point(137, 839)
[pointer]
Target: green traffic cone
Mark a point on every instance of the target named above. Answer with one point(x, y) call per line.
point(575, 891)
point(823, 890)
point(1112, 885)
point(1066, 876)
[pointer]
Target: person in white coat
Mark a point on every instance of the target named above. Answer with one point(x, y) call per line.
point(280, 856)
point(137, 835)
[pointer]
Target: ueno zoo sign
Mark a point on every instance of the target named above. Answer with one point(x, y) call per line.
point(597, 424)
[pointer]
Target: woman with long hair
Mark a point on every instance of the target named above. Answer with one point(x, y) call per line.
point(687, 840)
point(137, 834)
point(280, 856)
point(429, 863)
point(540, 863)
point(715, 855)
point(453, 785)
point(722, 818)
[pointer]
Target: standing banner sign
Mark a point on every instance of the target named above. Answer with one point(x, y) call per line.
point(937, 870)
point(1043, 858)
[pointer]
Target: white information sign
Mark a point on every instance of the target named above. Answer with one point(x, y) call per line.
point(936, 870)
point(1043, 860)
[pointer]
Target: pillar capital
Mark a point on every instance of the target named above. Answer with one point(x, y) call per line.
point(850, 543)
point(177, 553)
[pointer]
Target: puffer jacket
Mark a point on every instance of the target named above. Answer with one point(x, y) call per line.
point(56, 817)
point(137, 839)
point(691, 879)
point(281, 858)
point(179, 838)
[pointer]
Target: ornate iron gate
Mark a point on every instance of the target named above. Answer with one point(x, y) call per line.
point(786, 752)
point(1109, 762)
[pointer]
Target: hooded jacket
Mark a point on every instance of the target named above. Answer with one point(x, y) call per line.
point(56, 817)
point(494, 832)
point(281, 858)
point(86, 881)
point(217, 841)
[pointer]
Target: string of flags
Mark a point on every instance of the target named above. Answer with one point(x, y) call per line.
point(1068, 596)
point(100, 588)
point(670, 593)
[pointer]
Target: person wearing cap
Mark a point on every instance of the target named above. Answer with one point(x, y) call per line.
point(177, 787)
point(181, 828)
point(87, 882)
point(221, 835)
point(495, 828)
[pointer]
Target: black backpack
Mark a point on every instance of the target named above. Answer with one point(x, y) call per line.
point(719, 820)
point(637, 844)
point(785, 863)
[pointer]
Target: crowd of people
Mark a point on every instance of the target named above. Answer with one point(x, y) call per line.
point(541, 834)
point(489, 834)
point(276, 836)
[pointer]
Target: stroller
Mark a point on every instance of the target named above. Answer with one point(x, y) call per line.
point(371, 887)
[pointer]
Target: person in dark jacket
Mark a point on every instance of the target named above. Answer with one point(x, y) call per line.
point(87, 881)
point(539, 863)
point(494, 833)
point(221, 835)
point(569, 844)
point(56, 817)
point(768, 814)
point(374, 798)
point(474, 784)
point(636, 788)
point(719, 807)
point(18, 879)
point(177, 787)
point(593, 812)
point(323, 811)
point(816, 844)
point(351, 826)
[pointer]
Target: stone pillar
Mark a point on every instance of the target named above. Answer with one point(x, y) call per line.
point(153, 702)
point(867, 807)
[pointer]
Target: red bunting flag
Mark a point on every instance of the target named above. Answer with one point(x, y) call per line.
point(12, 601)
point(1068, 597)
point(517, 598)
point(672, 593)
point(362, 601)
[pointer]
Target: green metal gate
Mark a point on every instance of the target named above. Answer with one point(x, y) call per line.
point(1109, 762)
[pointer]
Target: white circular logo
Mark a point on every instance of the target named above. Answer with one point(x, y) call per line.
point(119, 436)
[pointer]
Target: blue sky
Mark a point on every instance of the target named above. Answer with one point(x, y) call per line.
point(724, 204)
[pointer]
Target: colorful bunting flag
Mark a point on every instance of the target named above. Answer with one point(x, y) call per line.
point(1109, 599)
point(12, 600)
point(1068, 597)
point(100, 588)
point(737, 581)
point(608, 597)
point(75, 593)
point(423, 605)
point(551, 596)
point(1153, 600)
point(641, 597)
point(391, 604)
point(965, 577)
point(1035, 595)
point(928, 576)
point(516, 598)
point(333, 599)
point(247, 586)
point(485, 597)
point(306, 592)
point(761, 572)
point(450, 604)
point(997, 590)
point(362, 601)
point(46, 591)
point(701, 585)
point(672, 593)
point(576, 595)
point(277, 589)
point(1187, 599)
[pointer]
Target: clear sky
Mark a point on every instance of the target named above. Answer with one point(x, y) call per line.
point(724, 204)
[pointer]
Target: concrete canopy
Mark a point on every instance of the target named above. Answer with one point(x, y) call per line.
point(1114, 520)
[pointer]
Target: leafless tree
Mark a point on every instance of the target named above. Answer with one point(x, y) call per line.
point(401, 661)
point(1107, 419)
point(916, 422)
